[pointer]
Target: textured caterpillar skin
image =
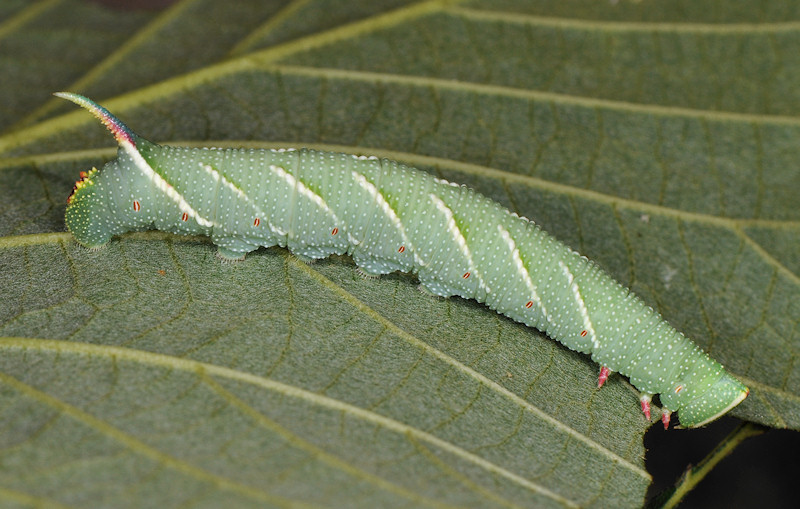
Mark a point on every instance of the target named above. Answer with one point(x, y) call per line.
point(390, 217)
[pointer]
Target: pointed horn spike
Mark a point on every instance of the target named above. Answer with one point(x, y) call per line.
point(121, 132)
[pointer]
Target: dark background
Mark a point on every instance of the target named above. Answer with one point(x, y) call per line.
point(761, 472)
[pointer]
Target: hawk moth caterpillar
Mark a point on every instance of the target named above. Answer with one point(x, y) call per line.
point(391, 217)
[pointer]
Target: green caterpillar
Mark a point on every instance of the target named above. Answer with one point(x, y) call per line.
point(390, 217)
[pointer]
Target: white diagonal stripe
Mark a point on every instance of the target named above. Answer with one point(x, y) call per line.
point(163, 185)
point(521, 270)
point(305, 191)
point(218, 177)
point(388, 211)
point(587, 323)
point(459, 239)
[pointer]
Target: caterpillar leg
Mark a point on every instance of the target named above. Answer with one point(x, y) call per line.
point(366, 275)
point(375, 266)
point(665, 418)
point(232, 250)
point(604, 374)
point(645, 399)
point(227, 255)
point(435, 286)
point(305, 259)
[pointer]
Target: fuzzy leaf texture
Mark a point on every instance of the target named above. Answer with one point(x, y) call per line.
point(658, 138)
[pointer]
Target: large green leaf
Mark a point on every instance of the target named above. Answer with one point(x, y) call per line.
point(150, 374)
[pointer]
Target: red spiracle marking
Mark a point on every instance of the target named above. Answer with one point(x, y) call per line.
point(136, 206)
point(402, 248)
point(678, 389)
point(184, 217)
point(335, 231)
point(529, 304)
point(466, 275)
point(256, 222)
point(583, 333)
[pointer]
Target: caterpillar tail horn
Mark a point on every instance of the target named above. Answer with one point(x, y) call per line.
point(121, 132)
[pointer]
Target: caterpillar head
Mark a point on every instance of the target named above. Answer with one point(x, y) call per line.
point(86, 212)
point(721, 396)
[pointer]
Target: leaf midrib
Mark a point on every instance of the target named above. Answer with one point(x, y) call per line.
point(565, 22)
point(186, 82)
